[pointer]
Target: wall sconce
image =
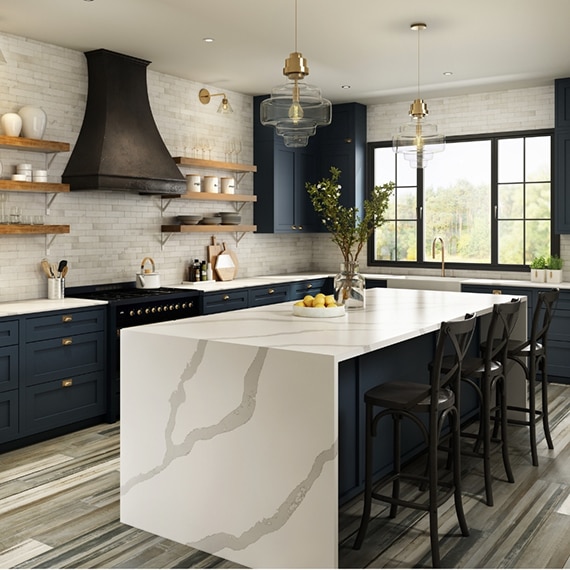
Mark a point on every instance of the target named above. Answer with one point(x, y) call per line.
point(225, 108)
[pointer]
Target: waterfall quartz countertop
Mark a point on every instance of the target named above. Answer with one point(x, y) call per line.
point(229, 422)
point(15, 308)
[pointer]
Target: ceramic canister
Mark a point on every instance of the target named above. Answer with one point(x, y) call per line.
point(228, 185)
point(211, 184)
point(34, 121)
point(11, 124)
point(193, 183)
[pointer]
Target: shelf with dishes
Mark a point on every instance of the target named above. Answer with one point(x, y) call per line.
point(18, 186)
point(32, 145)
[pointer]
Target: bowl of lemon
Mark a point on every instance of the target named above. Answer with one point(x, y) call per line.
point(320, 306)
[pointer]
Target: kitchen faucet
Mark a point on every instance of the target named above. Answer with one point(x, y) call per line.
point(442, 253)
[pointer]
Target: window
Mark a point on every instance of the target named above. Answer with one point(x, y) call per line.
point(488, 197)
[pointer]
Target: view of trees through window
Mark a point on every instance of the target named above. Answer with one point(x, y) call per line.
point(488, 198)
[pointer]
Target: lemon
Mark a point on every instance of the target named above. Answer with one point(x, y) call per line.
point(319, 305)
point(299, 304)
point(320, 297)
point(308, 300)
point(330, 305)
point(329, 300)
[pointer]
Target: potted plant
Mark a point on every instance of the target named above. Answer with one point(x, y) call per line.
point(554, 269)
point(538, 270)
point(349, 231)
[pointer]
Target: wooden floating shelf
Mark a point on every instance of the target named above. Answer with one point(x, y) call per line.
point(33, 145)
point(6, 229)
point(15, 186)
point(214, 164)
point(207, 196)
point(203, 228)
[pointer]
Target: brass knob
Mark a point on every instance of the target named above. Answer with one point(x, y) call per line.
point(271, 291)
point(66, 341)
point(226, 297)
point(66, 318)
point(67, 383)
point(309, 286)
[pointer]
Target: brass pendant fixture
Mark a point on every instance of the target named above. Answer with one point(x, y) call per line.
point(296, 109)
point(416, 140)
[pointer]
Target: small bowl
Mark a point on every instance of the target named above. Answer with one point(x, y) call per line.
point(189, 220)
point(211, 220)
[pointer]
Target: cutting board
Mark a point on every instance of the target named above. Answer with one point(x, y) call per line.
point(214, 249)
point(234, 257)
point(225, 267)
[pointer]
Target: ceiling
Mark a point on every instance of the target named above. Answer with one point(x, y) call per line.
point(487, 44)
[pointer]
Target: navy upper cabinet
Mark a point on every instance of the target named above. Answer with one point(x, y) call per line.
point(283, 204)
point(562, 155)
point(343, 145)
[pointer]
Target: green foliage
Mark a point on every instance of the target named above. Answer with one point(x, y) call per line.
point(349, 230)
point(538, 263)
point(554, 262)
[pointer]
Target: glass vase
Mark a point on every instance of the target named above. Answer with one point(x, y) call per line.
point(350, 287)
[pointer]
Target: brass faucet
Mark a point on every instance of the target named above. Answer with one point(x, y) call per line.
point(442, 253)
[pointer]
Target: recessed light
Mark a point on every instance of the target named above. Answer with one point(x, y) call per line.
point(345, 86)
point(208, 40)
point(447, 73)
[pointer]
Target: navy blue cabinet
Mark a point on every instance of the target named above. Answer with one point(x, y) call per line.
point(562, 156)
point(269, 295)
point(311, 287)
point(9, 372)
point(230, 300)
point(283, 204)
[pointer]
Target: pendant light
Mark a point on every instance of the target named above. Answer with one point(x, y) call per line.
point(416, 140)
point(296, 109)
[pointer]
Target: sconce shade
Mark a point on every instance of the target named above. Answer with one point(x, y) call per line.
point(224, 108)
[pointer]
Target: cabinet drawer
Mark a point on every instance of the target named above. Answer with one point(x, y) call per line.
point(268, 295)
point(8, 415)
point(310, 287)
point(63, 401)
point(67, 356)
point(225, 301)
point(8, 368)
point(8, 333)
point(64, 323)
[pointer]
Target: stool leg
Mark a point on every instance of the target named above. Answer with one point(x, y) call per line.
point(368, 460)
point(502, 395)
point(433, 478)
point(457, 477)
point(545, 422)
point(532, 409)
point(485, 419)
point(397, 463)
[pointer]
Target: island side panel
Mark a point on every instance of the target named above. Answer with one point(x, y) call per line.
point(230, 449)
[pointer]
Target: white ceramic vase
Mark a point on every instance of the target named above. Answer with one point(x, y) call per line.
point(34, 121)
point(11, 124)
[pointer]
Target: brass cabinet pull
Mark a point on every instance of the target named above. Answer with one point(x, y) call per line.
point(497, 292)
point(226, 297)
point(67, 383)
point(271, 291)
point(309, 286)
point(293, 227)
point(66, 341)
point(300, 228)
point(66, 318)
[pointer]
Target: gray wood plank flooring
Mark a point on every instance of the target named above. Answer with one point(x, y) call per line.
point(59, 508)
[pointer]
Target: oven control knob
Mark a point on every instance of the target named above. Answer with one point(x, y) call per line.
point(147, 311)
point(131, 313)
point(171, 307)
point(183, 305)
point(153, 309)
point(159, 309)
point(139, 312)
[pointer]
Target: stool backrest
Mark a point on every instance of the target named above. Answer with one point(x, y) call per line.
point(542, 317)
point(457, 335)
point(503, 321)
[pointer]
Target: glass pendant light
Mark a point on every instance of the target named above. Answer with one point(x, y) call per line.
point(417, 140)
point(296, 109)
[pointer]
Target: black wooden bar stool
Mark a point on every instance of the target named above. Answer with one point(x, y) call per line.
point(487, 374)
point(438, 399)
point(530, 355)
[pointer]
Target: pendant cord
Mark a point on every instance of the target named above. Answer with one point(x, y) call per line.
point(295, 25)
point(419, 31)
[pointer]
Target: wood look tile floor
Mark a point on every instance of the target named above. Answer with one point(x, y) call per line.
point(59, 508)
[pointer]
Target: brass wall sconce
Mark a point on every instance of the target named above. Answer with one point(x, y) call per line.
point(225, 108)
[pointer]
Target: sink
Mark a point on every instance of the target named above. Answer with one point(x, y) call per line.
point(431, 283)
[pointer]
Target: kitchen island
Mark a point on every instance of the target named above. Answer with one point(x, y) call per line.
point(230, 422)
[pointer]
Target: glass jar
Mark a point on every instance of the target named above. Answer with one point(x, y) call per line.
point(350, 287)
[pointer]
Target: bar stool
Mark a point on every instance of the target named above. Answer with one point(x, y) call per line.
point(485, 374)
point(438, 399)
point(531, 357)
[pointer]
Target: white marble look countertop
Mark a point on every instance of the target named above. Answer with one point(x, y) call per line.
point(391, 316)
point(15, 308)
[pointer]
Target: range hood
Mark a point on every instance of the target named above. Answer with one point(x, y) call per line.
point(119, 146)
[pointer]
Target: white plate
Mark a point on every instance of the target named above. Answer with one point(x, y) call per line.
point(317, 312)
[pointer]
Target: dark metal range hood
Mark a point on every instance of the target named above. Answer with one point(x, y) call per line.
point(119, 146)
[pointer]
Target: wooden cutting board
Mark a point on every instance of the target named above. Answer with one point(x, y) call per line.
point(214, 249)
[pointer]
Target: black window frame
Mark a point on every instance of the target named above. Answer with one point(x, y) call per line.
point(494, 265)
